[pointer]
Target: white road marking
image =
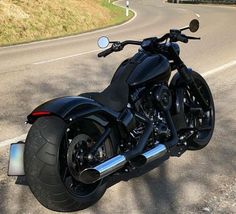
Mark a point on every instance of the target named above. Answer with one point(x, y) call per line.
point(198, 15)
point(65, 57)
point(79, 35)
point(13, 140)
point(216, 70)
point(210, 72)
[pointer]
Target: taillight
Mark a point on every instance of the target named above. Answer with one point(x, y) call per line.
point(41, 113)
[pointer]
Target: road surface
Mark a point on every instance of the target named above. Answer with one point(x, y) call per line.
point(202, 181)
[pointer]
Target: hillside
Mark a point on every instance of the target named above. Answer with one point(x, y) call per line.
point(29, 20)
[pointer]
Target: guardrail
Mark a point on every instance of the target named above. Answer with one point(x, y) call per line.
point(203, 1)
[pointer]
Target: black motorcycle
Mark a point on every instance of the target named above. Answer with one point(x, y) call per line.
point(77, 143)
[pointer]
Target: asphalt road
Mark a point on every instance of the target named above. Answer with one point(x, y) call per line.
point(202, 181)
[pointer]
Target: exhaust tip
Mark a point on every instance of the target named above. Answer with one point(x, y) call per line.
point(89, 176)
point(138, 161)
point(150, 155)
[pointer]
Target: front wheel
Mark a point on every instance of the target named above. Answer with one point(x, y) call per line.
point(54, 156)
point(199, 123)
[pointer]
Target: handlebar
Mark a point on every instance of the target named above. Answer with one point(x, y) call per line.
point(163, 38)
point(131, 42)
point(106, 52)
point(174, 36)
point(182, 38)
point(118, 46)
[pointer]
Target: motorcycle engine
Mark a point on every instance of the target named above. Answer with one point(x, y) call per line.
point(152, 104)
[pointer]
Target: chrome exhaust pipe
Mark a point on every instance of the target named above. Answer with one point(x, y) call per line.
point(157, 152)
point(91, 175)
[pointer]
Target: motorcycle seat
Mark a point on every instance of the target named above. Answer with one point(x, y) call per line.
point(115, 96)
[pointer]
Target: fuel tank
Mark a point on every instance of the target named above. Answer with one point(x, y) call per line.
point(144, 68)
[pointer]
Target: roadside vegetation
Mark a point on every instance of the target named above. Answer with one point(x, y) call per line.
point(29, 20)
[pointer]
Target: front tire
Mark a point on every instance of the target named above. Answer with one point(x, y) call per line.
point(43, 168)
point(199, 128)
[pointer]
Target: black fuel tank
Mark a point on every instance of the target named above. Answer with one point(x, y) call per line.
point(142, 68)
point(149, 68)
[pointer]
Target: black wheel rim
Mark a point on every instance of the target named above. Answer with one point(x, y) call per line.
point(75, 187)
point(200, 122)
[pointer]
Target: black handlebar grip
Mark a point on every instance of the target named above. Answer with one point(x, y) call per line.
point(105, 53)
point(182, 38)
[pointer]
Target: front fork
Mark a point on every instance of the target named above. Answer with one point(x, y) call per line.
point(187, 76)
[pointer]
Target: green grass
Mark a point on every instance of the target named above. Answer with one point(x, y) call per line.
point(118, 14)
point(30, 20)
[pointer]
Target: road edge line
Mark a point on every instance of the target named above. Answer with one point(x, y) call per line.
point(220, 68)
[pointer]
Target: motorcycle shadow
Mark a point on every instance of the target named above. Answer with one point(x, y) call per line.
point(116, 178)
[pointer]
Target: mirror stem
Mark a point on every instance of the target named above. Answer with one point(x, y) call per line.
point(185, 28)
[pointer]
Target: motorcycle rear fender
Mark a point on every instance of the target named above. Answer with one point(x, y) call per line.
point(72, 108)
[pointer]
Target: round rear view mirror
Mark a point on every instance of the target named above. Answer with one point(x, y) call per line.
point(103, 42)
point(194, 25)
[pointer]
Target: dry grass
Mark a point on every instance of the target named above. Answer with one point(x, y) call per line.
point(29, 20)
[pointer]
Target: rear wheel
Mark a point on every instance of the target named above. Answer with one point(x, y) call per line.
point(54, 156)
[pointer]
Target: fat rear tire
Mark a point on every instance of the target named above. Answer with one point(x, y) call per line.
point(42, 168)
